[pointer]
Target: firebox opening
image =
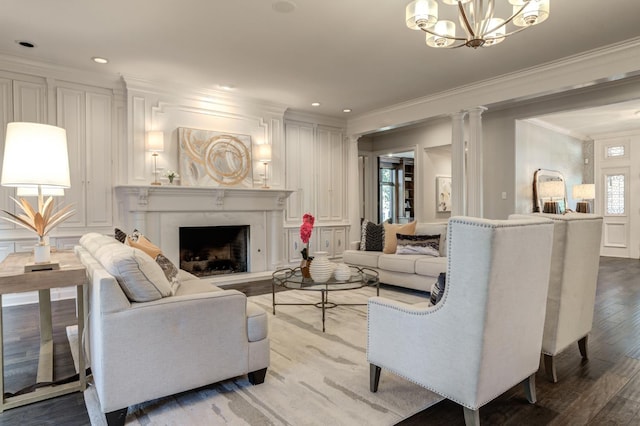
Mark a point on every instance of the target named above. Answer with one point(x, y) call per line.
point(214, 250)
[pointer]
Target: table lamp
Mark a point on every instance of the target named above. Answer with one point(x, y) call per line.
point(584, 192)
point(264, 156)
point(553, 190)
point(36, 161)
point(155, 144)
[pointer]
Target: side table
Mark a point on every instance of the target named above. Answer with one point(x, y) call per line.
point(14, 279)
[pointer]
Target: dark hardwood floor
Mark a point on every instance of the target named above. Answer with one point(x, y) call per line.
point(603, 391)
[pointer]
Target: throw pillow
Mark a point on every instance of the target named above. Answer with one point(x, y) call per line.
point(145, 245)
point(139, 241)
point(418, 244)
point(139, 276)
point(390, 232)
point(372, 236)
point(437, 290)
point(120, 235)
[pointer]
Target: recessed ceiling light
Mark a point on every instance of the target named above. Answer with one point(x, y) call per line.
point(284, 6)
point(227, 87)
point(346, 110)
point(25, 43)
point(315, 104)
point(99, 60)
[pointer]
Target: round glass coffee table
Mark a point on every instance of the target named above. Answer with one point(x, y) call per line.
point(292, 279)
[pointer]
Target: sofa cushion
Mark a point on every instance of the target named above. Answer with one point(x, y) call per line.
point(372, 236)
point(418, 244)
point(139, 276)
point(367, 259)
point(390, 232)
point(435, 228)
point(430, 266)
point(396, 263)
point(257, 323)
point(194, 286)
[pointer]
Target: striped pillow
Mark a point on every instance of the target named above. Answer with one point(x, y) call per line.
point(372, 236)
point(418, 244)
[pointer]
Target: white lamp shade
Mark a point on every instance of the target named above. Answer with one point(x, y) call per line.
point(155, 141)
point(264, 153)
point(551, 189)
point(35, 154)
point(421, 12)
point(585, 191)
point(32, 191)
point(446, 31)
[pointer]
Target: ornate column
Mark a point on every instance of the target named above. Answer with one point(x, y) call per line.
point(353, 207)
point(458, 178)
point(474, 163)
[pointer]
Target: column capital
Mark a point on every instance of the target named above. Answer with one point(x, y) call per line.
point(478, 110)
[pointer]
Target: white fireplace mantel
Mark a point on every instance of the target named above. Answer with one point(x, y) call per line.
point(160, 211)
point(152, 198)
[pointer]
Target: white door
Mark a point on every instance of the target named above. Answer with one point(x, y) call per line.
point(617, 180)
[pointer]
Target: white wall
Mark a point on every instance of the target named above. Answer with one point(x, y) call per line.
point(540, 148)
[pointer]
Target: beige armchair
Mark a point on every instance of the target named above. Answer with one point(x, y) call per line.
point(485, 335)
point(572, 284)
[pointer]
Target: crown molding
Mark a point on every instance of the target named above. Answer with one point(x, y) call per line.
point(609, 63)
point(22, 65)
point(306, 117)
point(213, 97)
point(576, 135)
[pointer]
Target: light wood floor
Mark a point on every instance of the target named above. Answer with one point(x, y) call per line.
point(603, 391)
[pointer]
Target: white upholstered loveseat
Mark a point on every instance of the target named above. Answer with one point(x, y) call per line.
point(140, 351)
point(414, 271)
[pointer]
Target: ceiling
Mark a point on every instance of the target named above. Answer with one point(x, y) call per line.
point(353, 54)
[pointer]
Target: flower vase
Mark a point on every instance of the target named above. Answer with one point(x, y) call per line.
point(321, 268)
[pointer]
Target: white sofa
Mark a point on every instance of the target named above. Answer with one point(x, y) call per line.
point(417, 272)
point(140, 351)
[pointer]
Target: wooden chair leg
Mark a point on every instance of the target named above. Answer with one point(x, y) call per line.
point(550, 368)
point(117, 417)
point(530, 388)
point(374, 377)
point(582, 345)
point(471, 417)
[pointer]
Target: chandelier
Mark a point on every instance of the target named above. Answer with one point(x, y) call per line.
point(477, 18)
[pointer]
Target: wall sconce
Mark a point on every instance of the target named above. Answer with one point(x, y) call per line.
point(155, 144)
point(553, 190)
point(264, 156)
point(36, 161)
point(584, 192)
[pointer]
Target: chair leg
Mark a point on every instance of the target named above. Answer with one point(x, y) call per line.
point(582, 345)
point(117, 417)
point(550, 368)
point(257, 377)
point(374, 377)
point(471, 417)
point(530, 388)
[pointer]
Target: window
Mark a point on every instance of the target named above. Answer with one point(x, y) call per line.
point(387, 194)
point(615, 194)
point(615, 151)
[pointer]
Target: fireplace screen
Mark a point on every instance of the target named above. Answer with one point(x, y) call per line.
point(214, 250)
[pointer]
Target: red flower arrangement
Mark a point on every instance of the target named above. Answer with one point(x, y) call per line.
point(305, 233)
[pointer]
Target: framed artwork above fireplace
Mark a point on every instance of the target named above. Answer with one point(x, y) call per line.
point(214, 159)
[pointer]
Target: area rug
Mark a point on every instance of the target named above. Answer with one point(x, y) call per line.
point(315, 378)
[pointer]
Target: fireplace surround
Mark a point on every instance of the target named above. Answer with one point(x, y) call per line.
point(160, 212)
